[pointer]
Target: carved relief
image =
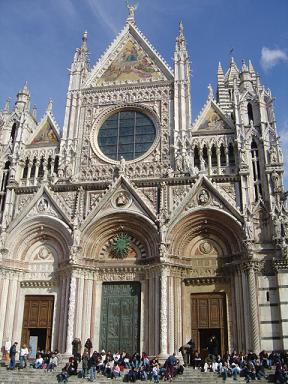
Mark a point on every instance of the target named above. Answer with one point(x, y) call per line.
point(121, 199)
point(203, 197)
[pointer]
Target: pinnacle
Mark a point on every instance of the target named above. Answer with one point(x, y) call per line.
point(220, 69)
point(50, 105)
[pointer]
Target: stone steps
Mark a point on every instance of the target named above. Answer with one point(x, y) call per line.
point(39, 376)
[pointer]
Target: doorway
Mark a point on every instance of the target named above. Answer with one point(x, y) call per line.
point(37, 321)
point(208, 318)
point(120, 317)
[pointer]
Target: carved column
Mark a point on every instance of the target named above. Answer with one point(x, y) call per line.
point(163, 313)
point(209, 161)
point(71, 314)
point(250, 268)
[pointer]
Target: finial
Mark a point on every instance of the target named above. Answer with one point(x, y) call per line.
point(50, 105)
point(220, 69)
point(7, 105)
point(181, 28)
point(131, 11)
point(251, 68)
point(84, 37)
point(25, 88)
point(34, 112)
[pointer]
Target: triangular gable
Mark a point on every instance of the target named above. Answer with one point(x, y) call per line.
point(46, 134)
point(212, 119)
point(43, 203)
point(129, 59)
point(205, 194)
point(121, 196)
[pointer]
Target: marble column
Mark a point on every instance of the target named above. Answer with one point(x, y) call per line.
point(163, 313)
point(253, 308)
point(96, 314)
point(10, 310)
point(71, 314)
point(4, 283)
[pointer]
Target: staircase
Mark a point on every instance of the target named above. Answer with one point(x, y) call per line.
point(40, 376)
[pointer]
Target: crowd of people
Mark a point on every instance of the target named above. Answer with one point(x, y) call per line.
point(138, 366)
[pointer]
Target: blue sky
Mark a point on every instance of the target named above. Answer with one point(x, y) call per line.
point(38, 39)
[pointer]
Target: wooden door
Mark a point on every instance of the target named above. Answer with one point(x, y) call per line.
point(120, 317)
point(208, 318)
point(38, 315)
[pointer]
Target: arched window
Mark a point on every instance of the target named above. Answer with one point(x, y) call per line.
point(256, 170)
point(49, 165)
point(56, 164)
point(250, 112)
point(213, 156)
point(13, 133)
point(33, 168)
point(25, 170)
point(205, 154)
point(196, 157)
point(222, 156)
point(231, 154)
point(41, 168)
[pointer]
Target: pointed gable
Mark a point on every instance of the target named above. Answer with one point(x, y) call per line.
point(212, 119)
point(43, 203)
point(205, 194)
point(130, 59)
point(121, 197)
point(46, 133)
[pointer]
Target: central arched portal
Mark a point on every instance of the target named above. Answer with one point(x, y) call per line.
point(120, 317)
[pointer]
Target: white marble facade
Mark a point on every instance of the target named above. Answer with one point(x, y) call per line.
point(202, 207)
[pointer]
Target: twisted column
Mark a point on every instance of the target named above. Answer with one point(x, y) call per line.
point(251, 267)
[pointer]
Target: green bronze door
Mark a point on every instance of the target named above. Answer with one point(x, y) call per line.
point(120, 314)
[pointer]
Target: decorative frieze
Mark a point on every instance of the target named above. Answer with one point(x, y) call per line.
point(38, 284)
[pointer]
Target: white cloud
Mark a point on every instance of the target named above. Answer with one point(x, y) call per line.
point(271, 57)
point(99, 10)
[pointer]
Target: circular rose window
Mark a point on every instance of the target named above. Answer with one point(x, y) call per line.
point(126, 133)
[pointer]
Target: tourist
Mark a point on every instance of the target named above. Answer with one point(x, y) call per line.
point(23, 355)
point(76, 348)
point(88, 345)
point(92, 364)
point(38, 362)
point(12, 355)
point(85, 364)
point(53, 362)
point(155, 374)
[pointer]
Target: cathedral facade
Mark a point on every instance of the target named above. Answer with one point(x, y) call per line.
point(134, 226)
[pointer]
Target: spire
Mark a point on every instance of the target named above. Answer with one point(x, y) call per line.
point(131, 12)
point(220, 70)
point(223, 97)
point(23, 98)
point(251, 68)
point(180, 40)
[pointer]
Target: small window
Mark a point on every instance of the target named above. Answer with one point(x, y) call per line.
point(250, 112)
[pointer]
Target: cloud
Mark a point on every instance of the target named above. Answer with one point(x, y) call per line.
point(271, 57)
point(98, 9)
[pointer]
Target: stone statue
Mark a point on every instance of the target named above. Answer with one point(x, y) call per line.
point(131, 9)
point(202, 164)
point(276, 181)
point(210, 92)
point(122, 165)
point(179, 163)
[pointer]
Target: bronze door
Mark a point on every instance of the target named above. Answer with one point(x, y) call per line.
point(37, 320)
point(120, 314)
point(208, 318)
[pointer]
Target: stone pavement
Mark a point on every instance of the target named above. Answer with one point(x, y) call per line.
point(39, 376)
